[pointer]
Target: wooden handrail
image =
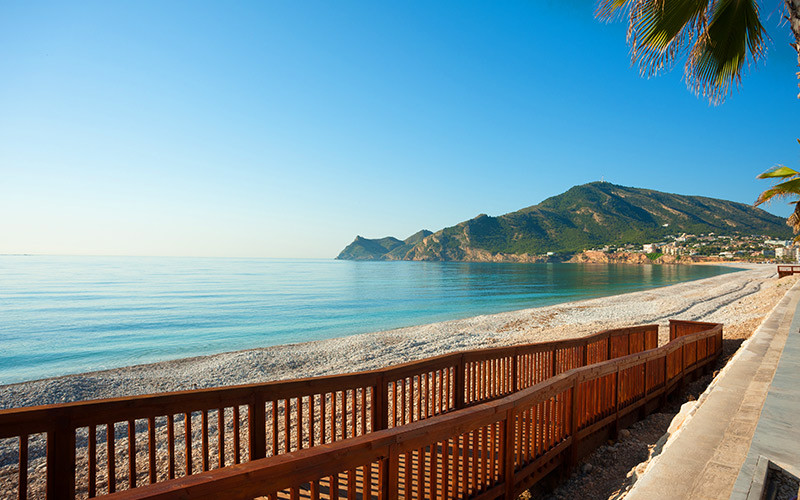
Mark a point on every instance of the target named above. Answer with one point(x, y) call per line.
point(787, 270)
point(573, 416)
point(40, 418)
point(678, 328)
point(359, 403)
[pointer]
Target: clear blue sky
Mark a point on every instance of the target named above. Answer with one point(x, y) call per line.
point(283, 129)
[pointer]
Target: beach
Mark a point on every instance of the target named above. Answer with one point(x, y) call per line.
point(739, 300)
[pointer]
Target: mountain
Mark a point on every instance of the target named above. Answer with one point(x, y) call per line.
point(388, 248)
point(586, 216)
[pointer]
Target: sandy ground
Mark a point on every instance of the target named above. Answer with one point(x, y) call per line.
point(739, 300)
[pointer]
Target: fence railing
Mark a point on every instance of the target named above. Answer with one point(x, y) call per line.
point(787, 271)
point(98, 447)
point(679, 328)
point(496, 449)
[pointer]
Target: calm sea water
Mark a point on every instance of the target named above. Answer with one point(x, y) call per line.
point(61, 315)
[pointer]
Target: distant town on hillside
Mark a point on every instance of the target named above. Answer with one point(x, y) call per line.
point(749, 248)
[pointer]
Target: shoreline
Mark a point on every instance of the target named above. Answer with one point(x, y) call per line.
point(729, 296)
point(113, 317)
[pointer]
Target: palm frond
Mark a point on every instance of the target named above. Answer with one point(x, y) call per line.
point(794, 222)
point(794, 219)
point(782, 190)
point(778, 171)
point(662, 30)
point(734, 36)
point(612, 10)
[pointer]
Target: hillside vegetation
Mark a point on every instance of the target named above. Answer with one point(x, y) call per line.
point(587, 216)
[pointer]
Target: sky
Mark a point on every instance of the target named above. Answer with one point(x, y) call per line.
point(284, 129)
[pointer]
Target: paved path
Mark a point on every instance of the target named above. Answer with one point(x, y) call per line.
point(704, 458)
point(777, 435)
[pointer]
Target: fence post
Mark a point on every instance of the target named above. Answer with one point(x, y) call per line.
point(389, 475)
point(257, 427)
point(574, 425)
point(643, 411)
point(553, 363)
point(682, 371)
point(61, 460)
point(683, 363)
point(508, 455)
point(514, 369)
point(663, 401)
point(381, 405)
point(459, 395)
point(617, 390)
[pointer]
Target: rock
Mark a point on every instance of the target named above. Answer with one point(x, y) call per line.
point(677, 422)
point(587, 468)
point(624, 434)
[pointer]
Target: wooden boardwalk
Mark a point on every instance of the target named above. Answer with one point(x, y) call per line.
point(452, 471)
point(787, 271)
point(456, 468)
point(480, 424)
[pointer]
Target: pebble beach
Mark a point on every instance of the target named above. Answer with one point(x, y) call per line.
point(739, 300)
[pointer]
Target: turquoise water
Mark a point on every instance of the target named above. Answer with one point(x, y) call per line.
point(61, 315)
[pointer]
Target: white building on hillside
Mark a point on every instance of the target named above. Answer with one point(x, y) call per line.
point(673, 249)
point(791, 253)
point(779, 243)
point(650, 248)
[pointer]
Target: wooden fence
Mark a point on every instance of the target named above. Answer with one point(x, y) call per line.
point(496, 449)
point(323, 418)
point(787, 271)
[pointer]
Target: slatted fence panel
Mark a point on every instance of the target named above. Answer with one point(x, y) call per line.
point(105, 446)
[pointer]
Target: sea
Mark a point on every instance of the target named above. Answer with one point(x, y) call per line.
point(63, 315)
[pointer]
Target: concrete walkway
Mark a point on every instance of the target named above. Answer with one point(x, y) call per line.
point(777, 436)
point(703, 459)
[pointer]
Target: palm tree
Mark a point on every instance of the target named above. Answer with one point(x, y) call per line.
point(716, 37)
point(788, 188)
